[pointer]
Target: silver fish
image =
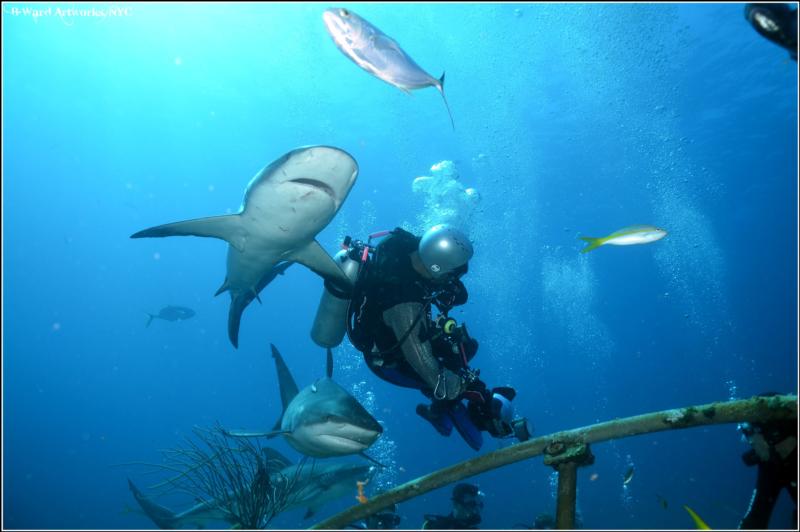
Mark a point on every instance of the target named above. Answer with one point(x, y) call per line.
point(378, 54)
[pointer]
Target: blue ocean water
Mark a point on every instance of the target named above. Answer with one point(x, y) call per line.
point(570, 120)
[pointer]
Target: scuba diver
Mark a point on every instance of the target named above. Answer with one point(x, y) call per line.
point(776, 22)
point(466, 515)
point(385, 519)
point(774, 450)
point(388, 318)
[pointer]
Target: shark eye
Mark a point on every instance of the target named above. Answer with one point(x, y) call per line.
point(344, 12)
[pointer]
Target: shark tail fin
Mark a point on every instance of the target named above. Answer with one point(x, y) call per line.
point(239, 302)
point(594, 243)
point(440, 86)
point(163, 517)
point(228, 228)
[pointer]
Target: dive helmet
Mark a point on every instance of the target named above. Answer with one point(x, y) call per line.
point(444, 250)
point(503, 408)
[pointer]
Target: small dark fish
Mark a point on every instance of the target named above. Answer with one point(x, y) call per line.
point(662, 501)
point(628, 477)
point(170, 313)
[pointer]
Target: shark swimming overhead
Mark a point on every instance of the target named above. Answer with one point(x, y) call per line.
point(285, 206)
point(378, 54)
point(321, 420)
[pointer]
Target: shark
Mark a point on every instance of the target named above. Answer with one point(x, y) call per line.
point(324, 481)
point(164, 518)
point(312, 485)
point(322, 420)
point(285, 206)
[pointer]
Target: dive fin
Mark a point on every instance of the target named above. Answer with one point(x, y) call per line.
point(228, 228)
point(317, 259)
point(149, 319)
point(593, 243)
point(288, 387)
point(440, 86)
point(329, 368)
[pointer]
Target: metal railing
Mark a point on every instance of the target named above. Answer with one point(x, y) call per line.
point(568, 450)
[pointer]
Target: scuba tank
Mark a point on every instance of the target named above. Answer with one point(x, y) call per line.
point(329, 324)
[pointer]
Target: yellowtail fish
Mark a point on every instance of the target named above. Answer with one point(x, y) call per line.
point(628, 477)
point(627, 236)
point(378, 54)
point(699, 524)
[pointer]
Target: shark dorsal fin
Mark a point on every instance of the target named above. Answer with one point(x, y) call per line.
point(275, 460)
point(288, 387)
point(329, 368)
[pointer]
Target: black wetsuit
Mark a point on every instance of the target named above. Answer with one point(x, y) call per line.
point(449, 522)
point(388, 280)
point(774, 474)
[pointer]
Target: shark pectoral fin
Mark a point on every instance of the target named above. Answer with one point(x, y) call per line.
point(593, 243)
point(317, 259)
point(368, 457)
point(228, 228)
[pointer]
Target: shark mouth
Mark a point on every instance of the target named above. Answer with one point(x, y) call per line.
point(324, 187)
